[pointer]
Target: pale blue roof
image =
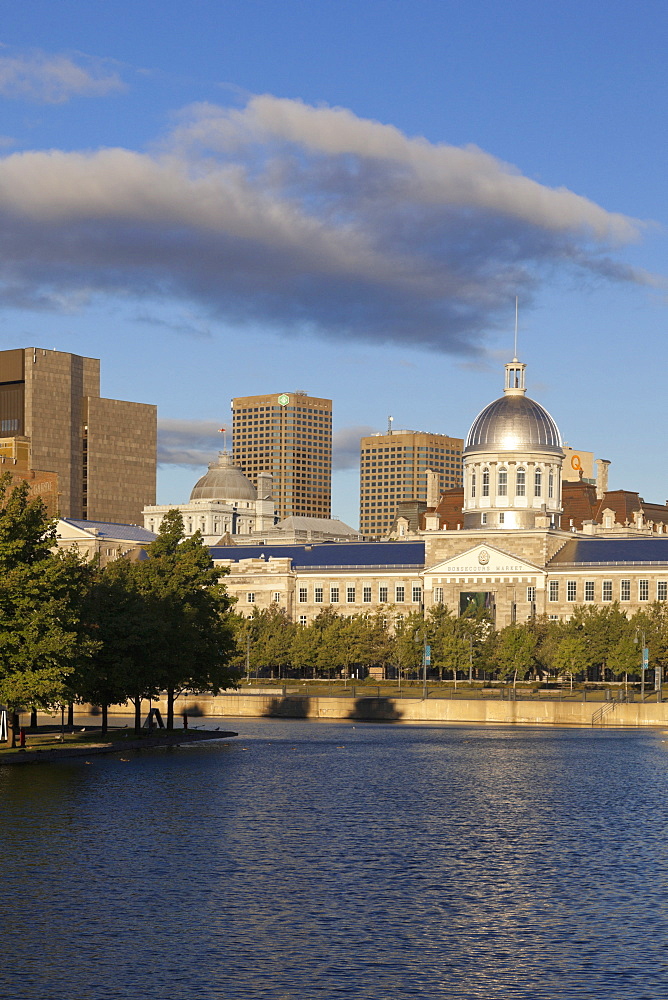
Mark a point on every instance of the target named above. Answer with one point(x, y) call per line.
point(642, 551)
point(408, 555)
point(108, 529)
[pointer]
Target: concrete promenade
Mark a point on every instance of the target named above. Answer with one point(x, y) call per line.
point(443, 710)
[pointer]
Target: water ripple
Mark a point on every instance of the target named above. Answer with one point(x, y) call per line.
point(329, 860)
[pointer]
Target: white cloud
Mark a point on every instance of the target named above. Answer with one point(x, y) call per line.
point(189, 442)
point(54, 79)
point(346, 446)
point(306, 220)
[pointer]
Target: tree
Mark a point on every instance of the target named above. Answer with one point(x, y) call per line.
point(604, 631)
point(447, 635)
point(126, 625)
point(569, 654)
point(514, 650)
point(41, 637)
point(195, 638)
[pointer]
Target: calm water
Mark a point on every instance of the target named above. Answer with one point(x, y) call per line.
point(306, 860)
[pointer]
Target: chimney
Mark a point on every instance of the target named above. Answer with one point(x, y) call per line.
point(602, 477)
point(432, 488)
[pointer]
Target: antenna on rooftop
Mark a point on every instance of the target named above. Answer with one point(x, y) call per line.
point(516, 311)
point(389, 424)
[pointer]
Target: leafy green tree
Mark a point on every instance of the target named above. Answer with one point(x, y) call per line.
point(304, 649)
point(40, 631)
point(195, 639)
point(604, 630)
point(410, 636)
point(568, 654)
point(449, 640)
point(375, 643)
point(514, 650)
point(653, 623)
point(126, 625)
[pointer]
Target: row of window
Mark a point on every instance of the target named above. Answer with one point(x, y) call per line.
point(589, 590)
point(520, 483)
point(589, 593)
point(351, 594)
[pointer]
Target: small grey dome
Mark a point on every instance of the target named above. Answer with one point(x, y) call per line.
point(513, 423)
point(223, 481)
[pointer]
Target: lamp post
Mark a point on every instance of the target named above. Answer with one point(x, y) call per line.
point(644, 659)
point(426, 659)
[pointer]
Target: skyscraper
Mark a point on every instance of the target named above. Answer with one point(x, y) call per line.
point(393, 467)
point(102, 450)
point(288, 434)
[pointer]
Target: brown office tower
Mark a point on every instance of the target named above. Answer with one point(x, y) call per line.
point(393, 467)
point(102, 450)
point(288, 434)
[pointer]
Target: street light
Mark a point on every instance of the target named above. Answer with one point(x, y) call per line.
point(643, 661)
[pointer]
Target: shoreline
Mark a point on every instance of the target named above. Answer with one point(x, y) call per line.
point(169, 739)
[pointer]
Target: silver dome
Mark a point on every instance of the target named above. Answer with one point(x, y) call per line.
point(223, 481)
point(513, 423)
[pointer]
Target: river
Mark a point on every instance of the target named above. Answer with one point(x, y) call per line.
point(335, 860)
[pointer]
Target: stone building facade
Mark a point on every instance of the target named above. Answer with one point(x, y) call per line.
point(518, 561)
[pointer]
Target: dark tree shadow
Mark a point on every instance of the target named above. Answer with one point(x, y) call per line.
point(288, 708)
point(375, 710)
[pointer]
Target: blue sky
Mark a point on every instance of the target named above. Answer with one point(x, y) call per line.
point(223, 198)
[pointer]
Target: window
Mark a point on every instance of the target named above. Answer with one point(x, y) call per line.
point(350, 595)
point(334, 595)
point(485, 482)
point(662, 590)
point(399, 594)
point(553, 618)
point(473, 484)
point(302, 619)
point(625, 590)
point(571, 590)
point(250, 598)
point(538, 483)
point(502, 518)
point(483, 518)
point(589, 590)
point(318, 595)
point(438, 595)
point(550, 485)
point(417, 595)
point(521, 483)
point(554, 590)
point(606, 590)
point(366, 595)
point(303, 595)
point(531, 595)
point(643, 590)
point(502, 483)
point(382, 595)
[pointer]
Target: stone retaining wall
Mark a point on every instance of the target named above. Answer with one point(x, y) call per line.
point(363, 708)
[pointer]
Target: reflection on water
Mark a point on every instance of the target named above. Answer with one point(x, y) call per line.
point(312, 860)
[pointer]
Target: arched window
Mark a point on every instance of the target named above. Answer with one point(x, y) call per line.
point(502, 483)
point(473, 483)
point(485, 482)
point(521, 483)
point(550, 485)
point(538, 483)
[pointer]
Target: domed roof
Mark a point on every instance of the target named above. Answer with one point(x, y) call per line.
point(223, 481)
point(513, 423)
